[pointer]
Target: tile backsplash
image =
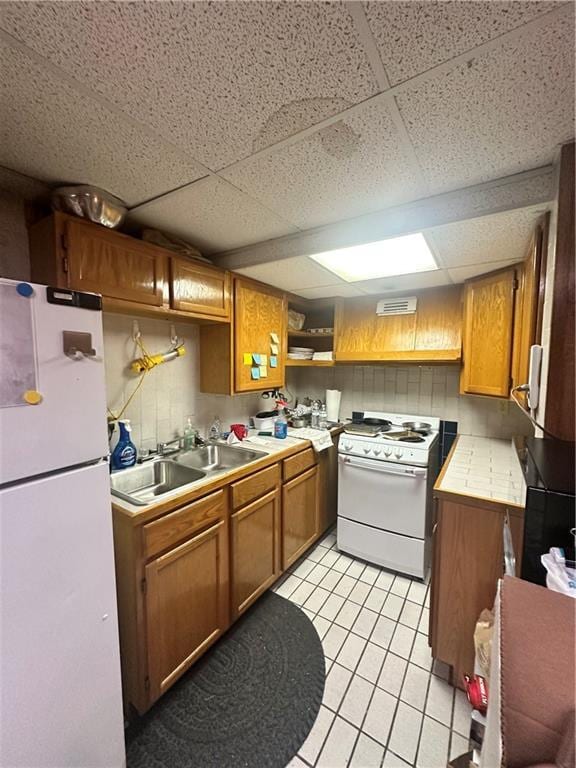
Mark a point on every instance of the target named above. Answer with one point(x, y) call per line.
point(170, 392)
point(419, 390)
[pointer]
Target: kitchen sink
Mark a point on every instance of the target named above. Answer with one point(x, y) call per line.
point(148, 482)
point(217, 458)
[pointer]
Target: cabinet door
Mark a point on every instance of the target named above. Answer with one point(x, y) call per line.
point(327, 487)
point(470, 539)
point(255, 550)
point(187, 605)
point(488, 331)
point(299, 515)
point(258, 313)
point(526, 310)
point(200, 289)
point(114, 265)
point(432, 333)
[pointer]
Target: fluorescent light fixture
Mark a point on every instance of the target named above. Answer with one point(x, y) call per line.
point(384, 258)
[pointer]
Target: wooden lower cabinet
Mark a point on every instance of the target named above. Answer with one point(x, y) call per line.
point(255, 550)
point(300, 524)
point(327, 487)
point(187, 606)
point(183, 576)
point(467, 563)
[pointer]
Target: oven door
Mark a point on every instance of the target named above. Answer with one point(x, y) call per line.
point(383, 494)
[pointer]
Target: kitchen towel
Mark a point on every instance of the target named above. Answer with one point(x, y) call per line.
point(333, 397)
point(320, 438)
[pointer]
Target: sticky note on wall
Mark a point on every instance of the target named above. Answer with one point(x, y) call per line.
point(255, 372)
point(247, 358)
point(263, 371)
point(263, 359)
point(256, 358)
point(274, 349)
point(275, 339)
point(273, 361)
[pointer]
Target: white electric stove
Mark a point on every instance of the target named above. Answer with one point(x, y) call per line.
point(385, 493)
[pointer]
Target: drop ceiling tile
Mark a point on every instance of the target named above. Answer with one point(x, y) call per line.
point(220, 78)
point(345, 290)
point(460, 274)
point(412, 282)
point(53, 133)
point(504, 236)
point(498, 114)
point(354, 166)
point(415, 36)
point(213, 215)
point(292, 274)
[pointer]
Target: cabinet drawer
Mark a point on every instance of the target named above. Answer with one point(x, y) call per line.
point(178, 525)
point(298, 463)
point(245, 491)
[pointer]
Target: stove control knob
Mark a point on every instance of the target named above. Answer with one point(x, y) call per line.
point(366, 451)
point(377, 451)
point(398, 453)
point(388, 452)
point(347, 446)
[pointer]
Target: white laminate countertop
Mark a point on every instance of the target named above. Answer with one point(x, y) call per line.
point(485, 468)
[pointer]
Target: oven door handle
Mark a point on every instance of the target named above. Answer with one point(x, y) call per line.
point(379, 466)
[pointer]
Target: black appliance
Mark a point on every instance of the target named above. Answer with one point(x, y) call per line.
point(549, 521)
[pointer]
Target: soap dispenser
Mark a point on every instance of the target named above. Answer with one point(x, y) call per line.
point(124, 454)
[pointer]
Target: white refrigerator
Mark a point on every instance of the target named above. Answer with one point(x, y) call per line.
point(60, 687)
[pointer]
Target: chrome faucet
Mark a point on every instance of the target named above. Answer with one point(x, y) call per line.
point(172, 446)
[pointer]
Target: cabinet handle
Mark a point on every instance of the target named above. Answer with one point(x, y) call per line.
point(434, 528)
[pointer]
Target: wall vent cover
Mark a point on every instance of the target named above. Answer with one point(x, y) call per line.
point(400, 305)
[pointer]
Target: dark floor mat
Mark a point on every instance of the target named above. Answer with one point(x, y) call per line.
point(250, 701)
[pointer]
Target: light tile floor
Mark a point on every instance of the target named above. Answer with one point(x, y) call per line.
point(386, 703)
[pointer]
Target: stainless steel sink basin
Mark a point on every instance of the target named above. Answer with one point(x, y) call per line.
point(147, 482)
point(217, 458)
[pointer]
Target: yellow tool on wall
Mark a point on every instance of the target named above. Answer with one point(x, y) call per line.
point(142, 365)
point(147, 362)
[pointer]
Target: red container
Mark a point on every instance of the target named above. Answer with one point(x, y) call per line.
point(477, 692)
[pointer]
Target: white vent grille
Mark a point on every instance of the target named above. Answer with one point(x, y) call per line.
point(400, 305)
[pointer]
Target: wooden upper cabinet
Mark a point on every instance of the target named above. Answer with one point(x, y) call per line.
point(526, 309)
point(431, 333)
point(113, 264)
point(199, 288)
point(488, 332)
point(259, 312)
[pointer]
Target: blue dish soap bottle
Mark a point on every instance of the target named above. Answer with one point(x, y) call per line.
point(281, 425)
point(124, 454)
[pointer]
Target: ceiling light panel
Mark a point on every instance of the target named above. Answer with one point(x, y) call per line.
point(384, 258)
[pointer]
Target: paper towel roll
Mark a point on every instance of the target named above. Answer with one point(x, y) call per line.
point(333, 404)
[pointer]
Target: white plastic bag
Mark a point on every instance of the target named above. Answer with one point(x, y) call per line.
point(561, 577)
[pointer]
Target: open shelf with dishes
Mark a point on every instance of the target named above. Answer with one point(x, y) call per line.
point(310, 333)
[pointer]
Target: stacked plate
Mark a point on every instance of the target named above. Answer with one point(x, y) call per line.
point(300, 353)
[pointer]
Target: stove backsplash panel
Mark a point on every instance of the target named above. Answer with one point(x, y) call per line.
point(414, 389)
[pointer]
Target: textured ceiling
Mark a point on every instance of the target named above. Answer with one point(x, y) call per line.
point(232, 123)
point(462, 249)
